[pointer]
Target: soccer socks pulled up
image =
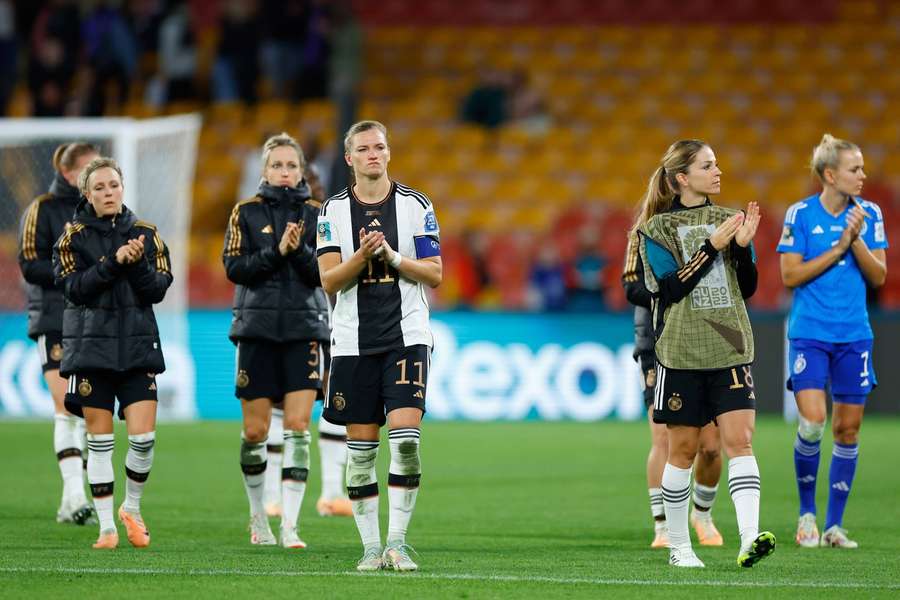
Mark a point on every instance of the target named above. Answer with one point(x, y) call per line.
point(657, 510)
point(403, 481)
point(840, 479)
point(806, 467)
point(676, 491)
point(704, 496)
point(101, 477)
point(68, 453)
point(253, 467)
point(138, 462)
point(333, 454)
point(743, 484)
point(362, 487)
point(294, 473)
point(274, 449)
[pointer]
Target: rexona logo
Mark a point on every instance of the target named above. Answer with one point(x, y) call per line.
point(485, 381)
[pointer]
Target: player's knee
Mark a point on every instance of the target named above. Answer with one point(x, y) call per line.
point(296, 423)
point(846, 433)
point(810, 431)
point(708, 455)
point(256, 431)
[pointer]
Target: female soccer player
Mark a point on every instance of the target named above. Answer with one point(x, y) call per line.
point(832, 245)
point(112, 268)
point(699, 266)
point(42, 224)
point(280, 323)
point(708, 465)
point(378, 246)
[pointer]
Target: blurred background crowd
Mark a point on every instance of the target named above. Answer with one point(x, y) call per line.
point(534, 126)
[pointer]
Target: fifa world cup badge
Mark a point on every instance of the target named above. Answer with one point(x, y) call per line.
point(84, 388)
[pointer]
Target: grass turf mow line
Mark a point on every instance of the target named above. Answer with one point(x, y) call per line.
point(454, 577)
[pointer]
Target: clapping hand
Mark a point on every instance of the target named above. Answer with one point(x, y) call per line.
point(131, 251)
point(290, 239)
point(855, 219)
point(747, 230)
point(725, 232)
point(370, 243)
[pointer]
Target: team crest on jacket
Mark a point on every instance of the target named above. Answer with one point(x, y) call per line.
point(84, 388)
point(675, 402)
point(56, 352)
point(339, 402)
point(243, 380)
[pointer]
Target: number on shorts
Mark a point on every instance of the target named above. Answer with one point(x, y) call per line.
point(314, 350)
point(865, 358)
point(420, 370)
point(748, 379)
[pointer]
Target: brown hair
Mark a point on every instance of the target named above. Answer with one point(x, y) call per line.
point(66, 155)
point(827, 155)
point(276, 141)
point(663, 186)
point(361, 127)
point(98, 163)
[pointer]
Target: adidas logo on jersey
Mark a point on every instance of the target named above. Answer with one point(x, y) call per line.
point(375, 223)
point(419, 394)
point(314, 375)
point(841, 486)
point(267, 229)
point(818, 229)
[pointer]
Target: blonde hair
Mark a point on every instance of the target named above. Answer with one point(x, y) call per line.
point(361, 127)
point(277, 141)
point(100, 162)
point(827, 155)
point(663, 186)
point(66, 155)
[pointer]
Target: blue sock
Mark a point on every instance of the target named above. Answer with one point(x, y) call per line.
point(840, 480)
point(806, 465)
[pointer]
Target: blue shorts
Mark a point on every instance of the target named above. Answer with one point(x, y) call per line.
point(847, 366)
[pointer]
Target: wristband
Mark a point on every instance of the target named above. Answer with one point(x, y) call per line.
point(396, 260)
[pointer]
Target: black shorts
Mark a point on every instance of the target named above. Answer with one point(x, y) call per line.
point(686, 397)
point(101, 389)
point(271, 370)
point(326, 361)
point(50, 350)
point(647, 361)
point(363, 389)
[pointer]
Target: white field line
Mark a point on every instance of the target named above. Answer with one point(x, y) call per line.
point(458, 577)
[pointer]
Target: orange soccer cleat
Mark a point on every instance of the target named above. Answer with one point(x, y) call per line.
point(137, 532)
point(108, 540)
point(707, 534)
point(339, 507)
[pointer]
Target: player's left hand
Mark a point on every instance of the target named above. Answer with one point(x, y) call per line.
point(747, 231)
point(387, 253)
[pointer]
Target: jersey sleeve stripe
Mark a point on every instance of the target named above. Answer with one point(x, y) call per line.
point(419, 196)
point(29, 232)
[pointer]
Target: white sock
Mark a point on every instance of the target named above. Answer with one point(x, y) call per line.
point(743, 483)
point(403, 481)
point(138, 462)
point(704, 497)
point(362, 487)
point(294, 474)
point(101, 477)
point(253, 466)
point(656, 504)
point(274, 450)
point(333, 454)
point(68, 453)
point(676, 491)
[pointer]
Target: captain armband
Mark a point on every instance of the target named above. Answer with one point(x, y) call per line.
point(427, 246)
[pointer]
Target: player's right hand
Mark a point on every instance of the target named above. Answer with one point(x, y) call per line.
point(290, 239)
point(725, 232)
point(370, 243)
point(855, 220)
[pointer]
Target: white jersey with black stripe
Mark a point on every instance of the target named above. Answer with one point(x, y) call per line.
point(380, 310)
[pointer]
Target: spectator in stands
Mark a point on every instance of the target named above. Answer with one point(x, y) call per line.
point(177, 59)
point(548, 281)
point(54, 48)
point(236, 70)
point(111, 55)
point(488, 103)
point(585, 277)
point(345, 73)
point(285, 23)
point(316, 51)
point(8, 53)
point(527, 107)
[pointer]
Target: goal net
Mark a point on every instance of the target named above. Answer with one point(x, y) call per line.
point(157, 157)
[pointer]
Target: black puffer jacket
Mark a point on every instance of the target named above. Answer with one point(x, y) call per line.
point(108, 323)
point(42, 224)
point(277, 298)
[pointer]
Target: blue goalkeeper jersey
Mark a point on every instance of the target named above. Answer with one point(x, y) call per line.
point(832, 306)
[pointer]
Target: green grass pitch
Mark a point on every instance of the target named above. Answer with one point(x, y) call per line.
point(505, 510)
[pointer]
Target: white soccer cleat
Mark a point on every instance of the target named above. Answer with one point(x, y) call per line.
point(76, 510)
point(64, 512)
point(371, 560)
point(396, 558)
point(836, 537)
point(807, 531)
point(684, 557)
point(260, 532)
point(290, 539)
